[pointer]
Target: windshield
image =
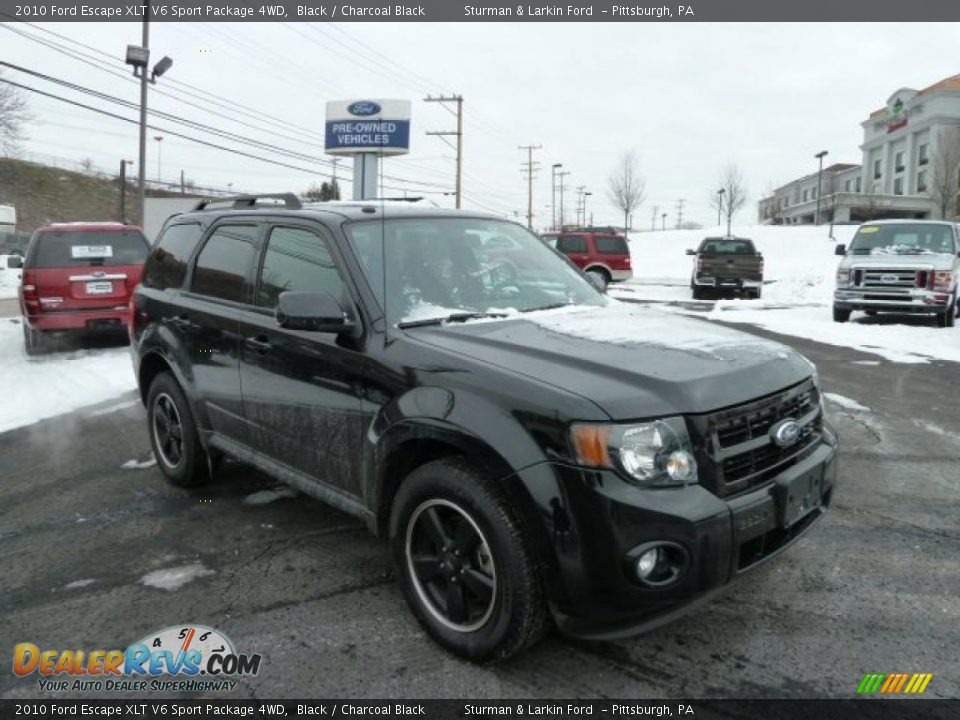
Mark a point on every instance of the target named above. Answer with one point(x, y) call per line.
point(58, 249)
point(437, 267)
point(905, 239)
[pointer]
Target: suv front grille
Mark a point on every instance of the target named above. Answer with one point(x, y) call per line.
point(736, 450)
point(874, 278)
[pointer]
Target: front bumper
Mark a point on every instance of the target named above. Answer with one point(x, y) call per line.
point(914, 301)
point(594, 519)
point(620, 275)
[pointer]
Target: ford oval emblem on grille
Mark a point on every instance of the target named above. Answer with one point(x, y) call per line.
point(363, 108)
point(890, 279)
point(785, 433)
point(99, 273)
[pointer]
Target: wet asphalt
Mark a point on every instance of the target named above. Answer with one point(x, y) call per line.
point(874, 588)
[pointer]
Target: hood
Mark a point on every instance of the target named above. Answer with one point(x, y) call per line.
point(633, 362)
point(938, 261)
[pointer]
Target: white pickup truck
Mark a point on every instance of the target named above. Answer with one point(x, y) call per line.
point(900, 267)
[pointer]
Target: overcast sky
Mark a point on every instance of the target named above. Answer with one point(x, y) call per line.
point(686, 98)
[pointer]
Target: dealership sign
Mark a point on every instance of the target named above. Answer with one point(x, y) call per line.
point(368, 126)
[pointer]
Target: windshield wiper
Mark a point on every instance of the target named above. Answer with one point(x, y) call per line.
point(554, 306)
point(452, 317)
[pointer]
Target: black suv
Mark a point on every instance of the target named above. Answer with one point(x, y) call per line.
point(534, 450)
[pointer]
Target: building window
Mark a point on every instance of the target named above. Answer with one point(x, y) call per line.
point(898, 186)
point(922, 181)
point(899, 161)
point(847, 185)
point(858, 185)
point(813, 193)
point(804, 195)
point(924, 158)
point(876, 170)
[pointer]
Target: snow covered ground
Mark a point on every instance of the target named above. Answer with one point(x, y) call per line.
point(57, 383)
point(799, 271)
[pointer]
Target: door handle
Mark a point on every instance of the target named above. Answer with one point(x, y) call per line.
point(181, 322)
point(258, 344)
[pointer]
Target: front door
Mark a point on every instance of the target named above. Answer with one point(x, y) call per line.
point(301, 389)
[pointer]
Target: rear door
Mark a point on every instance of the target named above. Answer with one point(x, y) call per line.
point(219, 288)
point(613, 251)
point(80, 270)
point(302, 390)
point(575, 248)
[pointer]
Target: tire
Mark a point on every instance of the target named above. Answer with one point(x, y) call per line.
point(840, 316)
point(502, 610)
point(601, 275)
point(756, 293)
point(697, 293)
point(183, 462)
point(871, 313)
point(947, 319)
point(33, 341)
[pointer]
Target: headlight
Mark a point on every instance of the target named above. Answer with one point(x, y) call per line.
point(657, 453)
point(942, 280)
point(843, 277)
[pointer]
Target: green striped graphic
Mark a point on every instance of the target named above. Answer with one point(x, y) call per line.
point(871, 682)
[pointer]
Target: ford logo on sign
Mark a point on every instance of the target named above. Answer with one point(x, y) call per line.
point(363, 108)
point(889, 279)
point(785, 433)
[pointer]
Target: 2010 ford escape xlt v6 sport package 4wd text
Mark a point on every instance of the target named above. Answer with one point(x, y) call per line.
point(534, 450)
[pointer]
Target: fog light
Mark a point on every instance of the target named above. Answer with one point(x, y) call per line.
point(648, 563)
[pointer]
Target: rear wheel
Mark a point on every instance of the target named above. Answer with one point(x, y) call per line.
point(464, 563)
point(947, 318)
point(697, 293)
point(601, 275)
point(173, 434)
point(33, 340)
point(840, 316)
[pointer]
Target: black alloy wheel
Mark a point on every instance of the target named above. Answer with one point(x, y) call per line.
point(451, 566)
point(167, 431)
point(173, 434)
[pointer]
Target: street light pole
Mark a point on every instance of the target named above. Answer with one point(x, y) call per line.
point(820, 155)
point(142, 161)
point(562, 174)
point(159, 139)
point(123, 190)
point(720, 193)
point(664, 216)
point(585, 196)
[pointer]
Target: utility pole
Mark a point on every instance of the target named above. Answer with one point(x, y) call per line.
point(159, 139)
point(562, 174)
point(664, 221)
point(679, 212)
point(142, 160)
point(531, 168)
point(123, 190)
point(653, 218)
point(553, 194)
point(580, 189)
point(183, 184)
point(458, 99)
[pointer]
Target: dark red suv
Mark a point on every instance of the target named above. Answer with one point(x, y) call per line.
point(603, 254)
point(78, 277)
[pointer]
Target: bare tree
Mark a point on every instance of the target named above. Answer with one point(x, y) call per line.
point(945, 173)
point(734, 192)
point(626, 187)
point(13, 116)
point(871, 201)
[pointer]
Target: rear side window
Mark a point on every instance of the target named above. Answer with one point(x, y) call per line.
point(611, 245)
point(167, 265)
point(297, 259)
point(63, 249)
point(571, 244)
point(224, 263)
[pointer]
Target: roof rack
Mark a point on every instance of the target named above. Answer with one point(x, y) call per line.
point(290, 201)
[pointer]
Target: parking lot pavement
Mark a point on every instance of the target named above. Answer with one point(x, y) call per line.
point(874, 588)
point(9, 307)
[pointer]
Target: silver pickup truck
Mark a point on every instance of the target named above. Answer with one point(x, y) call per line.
point(902, 267)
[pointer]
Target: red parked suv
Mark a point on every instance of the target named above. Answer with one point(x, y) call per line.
point(601, 253)
point(78, 277)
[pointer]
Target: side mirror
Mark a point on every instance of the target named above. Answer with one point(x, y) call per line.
point(308, 310)
point(14, 262)
point(691, 252)
point(840, 249)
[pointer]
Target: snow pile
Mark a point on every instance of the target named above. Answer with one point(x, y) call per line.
point(799, 262)
point(175, 578)
point(56, 383)
point(845, 402)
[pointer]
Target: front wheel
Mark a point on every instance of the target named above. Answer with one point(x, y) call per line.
point(840, 316)
point(947, 318)
point(173, 434)
point(464, 563)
